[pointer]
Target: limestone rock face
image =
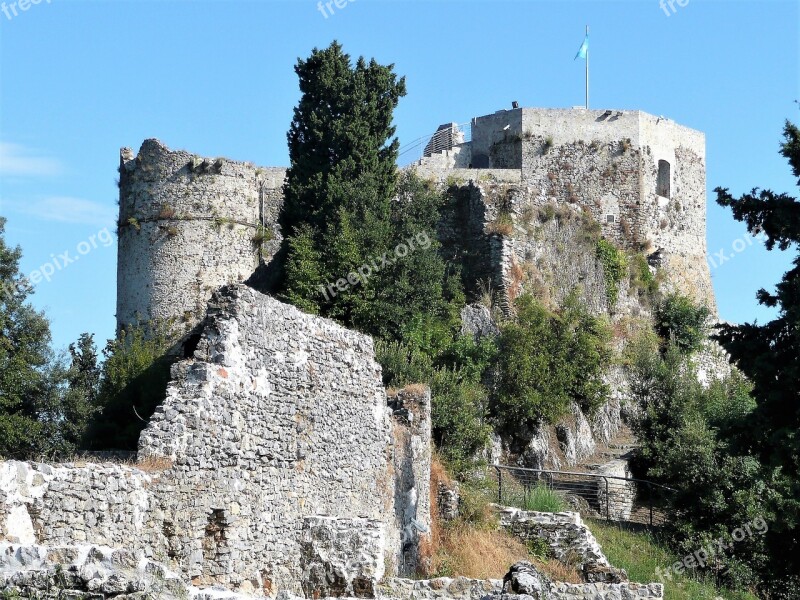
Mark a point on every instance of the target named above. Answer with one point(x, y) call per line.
point(476, 320)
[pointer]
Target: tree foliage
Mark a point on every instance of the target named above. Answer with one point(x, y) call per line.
point(615, 267)
point(548, 360)
point(134, 381)
point(682, 322)
point(27, 375)
point(769, 355)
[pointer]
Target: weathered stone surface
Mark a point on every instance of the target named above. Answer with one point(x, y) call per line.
point(570, 541)
point(279, 417)
point(187, 226)
point(412, 455)
point(93, 572)
point(341, 557)
point(608, 163)
point(476, 320)
point(447, 500)
point(524, 579)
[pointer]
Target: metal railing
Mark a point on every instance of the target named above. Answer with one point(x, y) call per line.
point(596, 495)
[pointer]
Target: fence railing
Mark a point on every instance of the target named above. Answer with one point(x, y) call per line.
point(592, 494)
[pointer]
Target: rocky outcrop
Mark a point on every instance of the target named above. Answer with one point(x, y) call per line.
point(476, 320)
point(524, 580)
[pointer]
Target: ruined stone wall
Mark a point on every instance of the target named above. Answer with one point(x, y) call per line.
point(276, 431)
point(188, 225)
point(462, 588)
point(411, 447)
point(569, 540)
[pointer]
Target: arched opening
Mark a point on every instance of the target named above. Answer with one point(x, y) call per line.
point(663, 181)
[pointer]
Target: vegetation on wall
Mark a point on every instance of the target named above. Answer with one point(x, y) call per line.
point(548, 360)
point(615, 268)
point(682, 322)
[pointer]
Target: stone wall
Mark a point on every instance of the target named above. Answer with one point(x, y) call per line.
point(278, 425)
point(462, 588)
point(411, 437)
point(608, 164)
point(92, 572)
point(569, 539)
point(188, 225)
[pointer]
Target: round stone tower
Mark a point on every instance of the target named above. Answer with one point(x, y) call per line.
point(188, 225)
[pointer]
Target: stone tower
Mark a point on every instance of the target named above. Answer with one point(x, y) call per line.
point(187, 226)
point(643, 178)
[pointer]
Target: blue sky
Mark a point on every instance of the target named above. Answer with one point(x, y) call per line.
point(78, 80)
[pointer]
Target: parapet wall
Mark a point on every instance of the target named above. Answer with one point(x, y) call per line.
point(187, 226)
point(274, 449)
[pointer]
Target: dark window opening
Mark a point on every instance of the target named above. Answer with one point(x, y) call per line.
point(663, 182)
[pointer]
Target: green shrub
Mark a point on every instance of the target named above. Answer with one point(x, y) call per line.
point(682, 322)
point(690, 440)
point(541, 498)
point(615, 266)
point(133, 383)
point(642, 279)
point(453, 367)
point(539, 548)
point(547, 360)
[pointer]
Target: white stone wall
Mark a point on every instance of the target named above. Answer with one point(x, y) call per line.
point(569, 539)
point(280, 419)
point(186, 227)
point(462, 588)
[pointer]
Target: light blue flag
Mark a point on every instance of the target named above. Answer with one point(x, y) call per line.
point(584, 49)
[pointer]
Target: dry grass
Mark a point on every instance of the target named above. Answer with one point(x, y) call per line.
point(517, 275)
point(558, 571)
point(153, 464)
point(416, 389)
point(501, 226)
point(473, 546)
point(478, 554)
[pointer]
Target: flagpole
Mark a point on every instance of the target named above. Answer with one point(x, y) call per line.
point(587, 71)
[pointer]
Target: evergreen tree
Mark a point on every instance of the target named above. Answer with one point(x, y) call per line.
point(769, 355)
point(338, 191)
point(26, 386)
point(83, 384)
point(338, 139)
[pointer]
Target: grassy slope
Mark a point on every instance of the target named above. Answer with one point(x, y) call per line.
point(639, 554)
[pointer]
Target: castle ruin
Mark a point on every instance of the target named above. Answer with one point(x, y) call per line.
point(281, 465)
